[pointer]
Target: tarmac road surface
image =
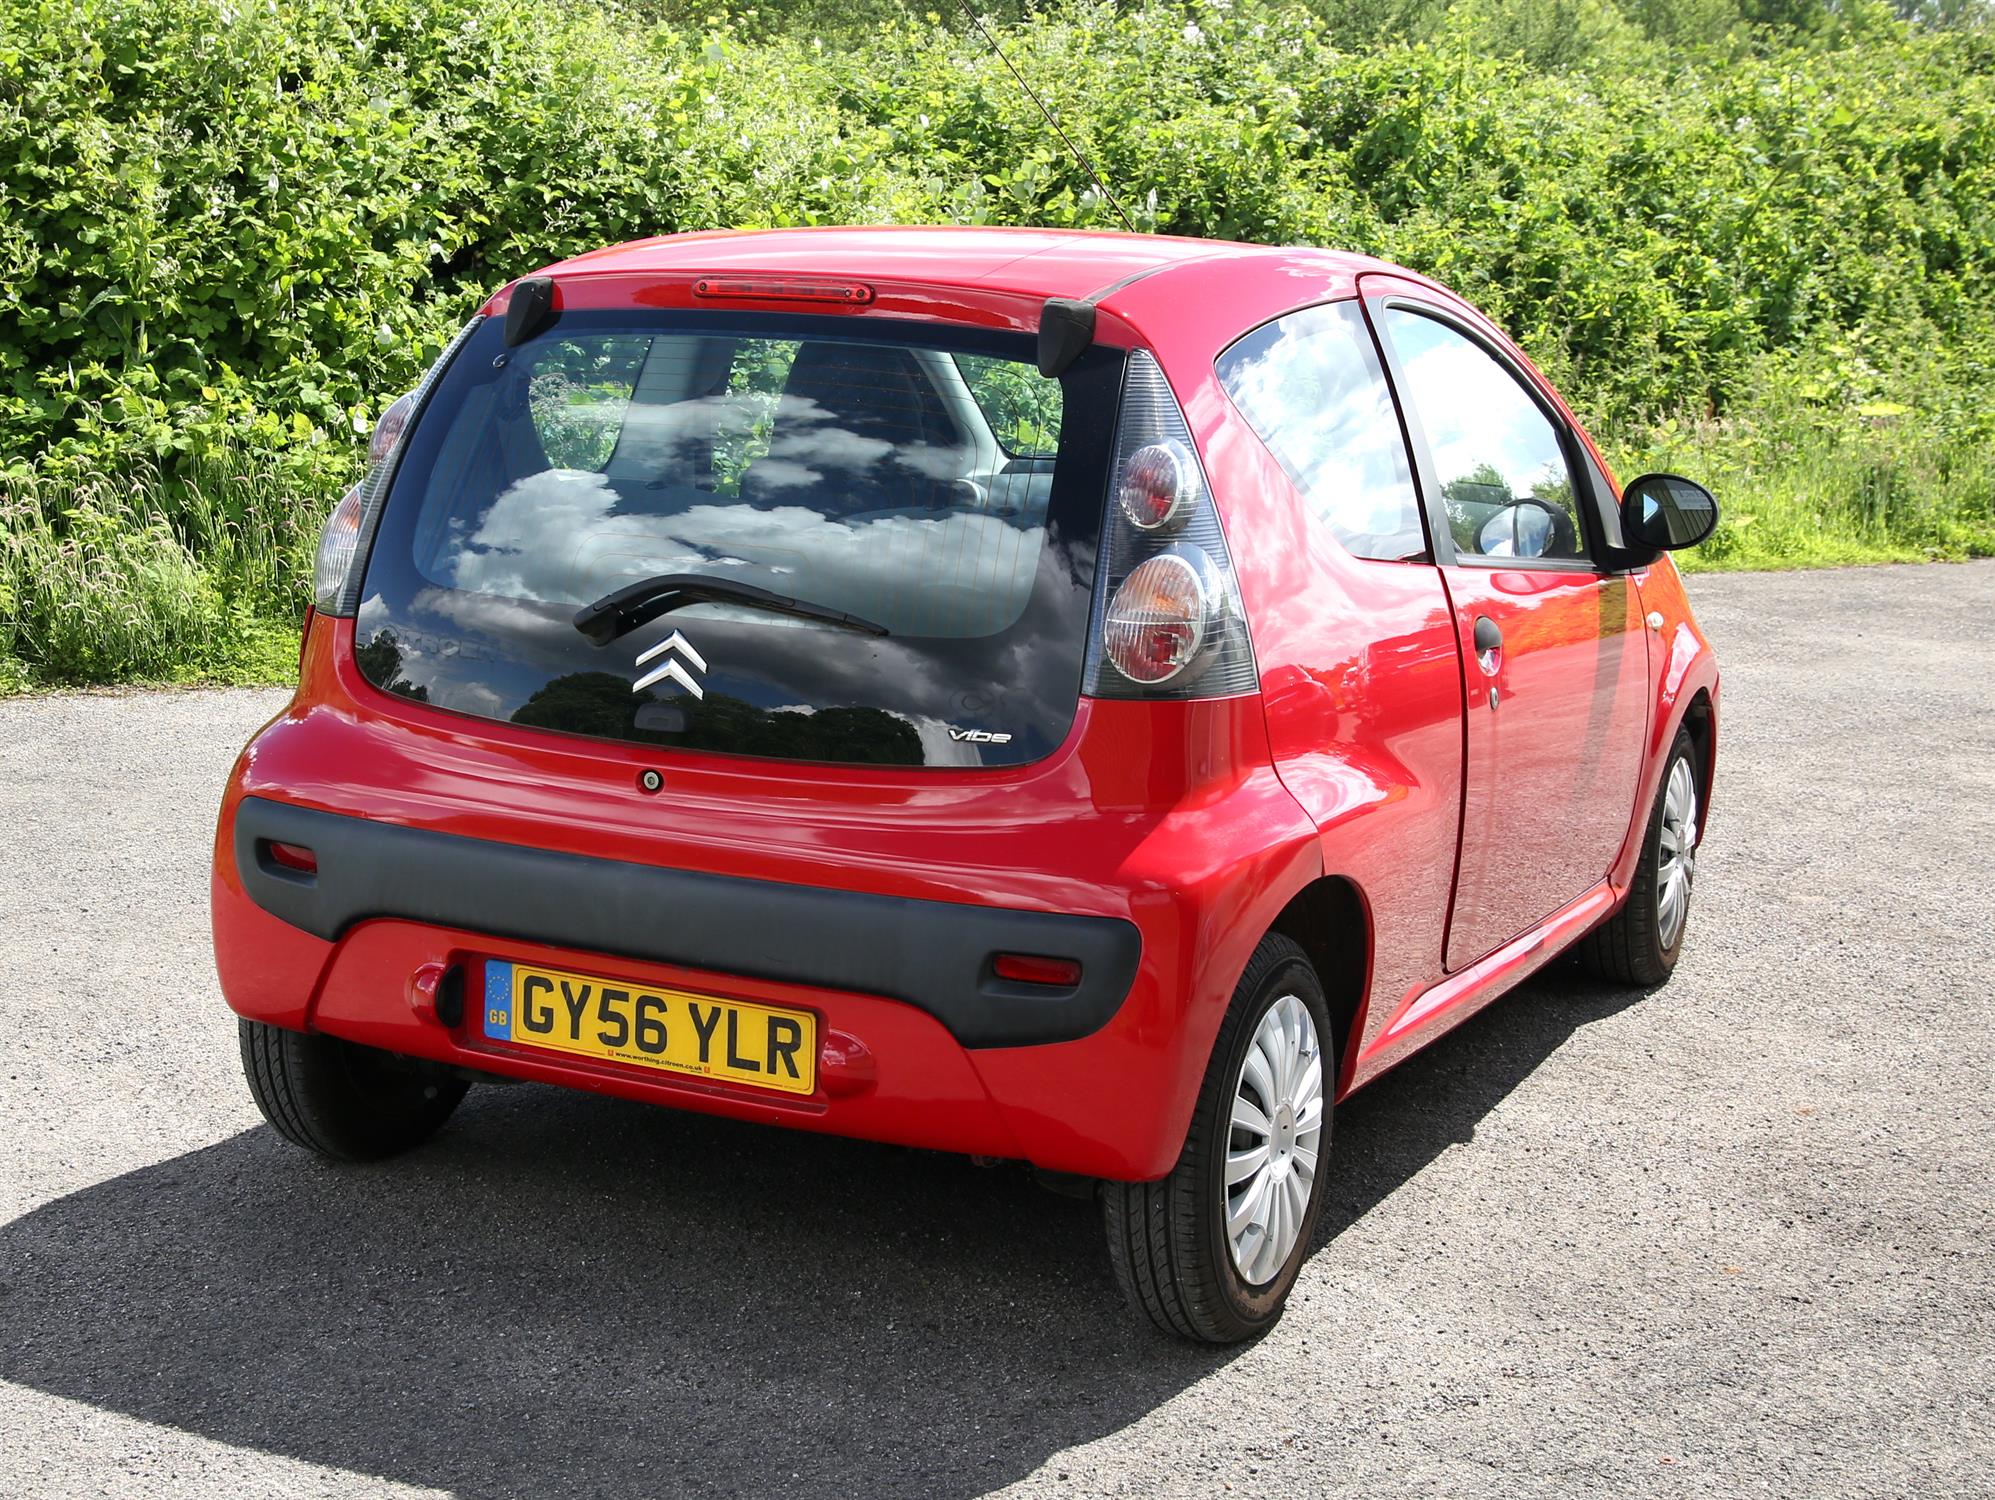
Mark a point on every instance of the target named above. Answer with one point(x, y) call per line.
point(1729, 1238)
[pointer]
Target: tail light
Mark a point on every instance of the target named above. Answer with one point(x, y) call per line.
point(1167, 616)
point(388, 431)
point(1156, 485)
point(337, 544)
point(350, 529)
point(1158, 618)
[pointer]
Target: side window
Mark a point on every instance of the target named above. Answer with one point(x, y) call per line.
point(745, 412)
point(579, 393)
point(1310, 386)
point(1021, 406)
point(1502, 473)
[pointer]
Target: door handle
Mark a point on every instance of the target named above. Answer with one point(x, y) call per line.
point(1488, 651)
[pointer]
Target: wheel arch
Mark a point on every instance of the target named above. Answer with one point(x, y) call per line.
point(1700, 718)
point(1330, 921)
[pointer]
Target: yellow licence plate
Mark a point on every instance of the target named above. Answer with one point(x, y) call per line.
point(651, 1027)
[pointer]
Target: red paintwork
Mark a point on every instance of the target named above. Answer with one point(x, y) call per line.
point(1197, 821)
point(1564, 738)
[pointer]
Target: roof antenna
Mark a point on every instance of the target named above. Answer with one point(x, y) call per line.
point(1079, 155)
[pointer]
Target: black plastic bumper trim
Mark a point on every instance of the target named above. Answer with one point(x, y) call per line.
point(935, 955)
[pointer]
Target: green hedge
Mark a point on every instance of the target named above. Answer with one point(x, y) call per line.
point(231, 232)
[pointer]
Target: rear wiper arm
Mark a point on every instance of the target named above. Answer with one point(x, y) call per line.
point(640, 603)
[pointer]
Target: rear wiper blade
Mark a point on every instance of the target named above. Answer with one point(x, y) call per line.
point(639, 603)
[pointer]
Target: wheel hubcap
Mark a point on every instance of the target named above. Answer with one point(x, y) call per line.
point(1277, 1130)
point(1676, 853)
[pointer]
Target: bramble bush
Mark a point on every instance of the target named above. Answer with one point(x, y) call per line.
point(1751, 243)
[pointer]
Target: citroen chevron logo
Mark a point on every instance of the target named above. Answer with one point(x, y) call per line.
point(672, 667)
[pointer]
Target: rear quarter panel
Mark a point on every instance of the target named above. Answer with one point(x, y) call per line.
point(1360, 672)
point(1359, 661)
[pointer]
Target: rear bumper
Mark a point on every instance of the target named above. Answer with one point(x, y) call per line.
point(910, 1069)
point(934, 955)
point(916, 1069)
point(885, 1071)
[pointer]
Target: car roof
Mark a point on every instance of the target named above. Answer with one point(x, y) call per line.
point(1029, 262)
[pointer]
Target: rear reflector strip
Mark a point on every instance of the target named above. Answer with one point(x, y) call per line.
point(1028, 968)
point(772, 289)
point(293, 857)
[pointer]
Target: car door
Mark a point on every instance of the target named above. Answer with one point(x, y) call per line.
point(1553, 654)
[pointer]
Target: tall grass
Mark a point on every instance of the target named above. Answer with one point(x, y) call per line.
point(132, 577)
point(1799, 488)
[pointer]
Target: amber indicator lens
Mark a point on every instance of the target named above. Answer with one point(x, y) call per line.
point(1157, 619)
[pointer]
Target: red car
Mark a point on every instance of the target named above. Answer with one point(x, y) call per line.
point(1091, 700)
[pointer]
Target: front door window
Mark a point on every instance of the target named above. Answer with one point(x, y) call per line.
point(1499, 466)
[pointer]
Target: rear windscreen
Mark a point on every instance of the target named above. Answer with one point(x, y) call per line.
point(931, 485)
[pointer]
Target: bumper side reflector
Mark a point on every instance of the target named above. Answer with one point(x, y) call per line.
point(1029, 968)
point(293, 857)
point(435, 992)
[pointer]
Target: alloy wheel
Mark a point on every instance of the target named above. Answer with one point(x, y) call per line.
point(1676, 853)
point(1277, 1132)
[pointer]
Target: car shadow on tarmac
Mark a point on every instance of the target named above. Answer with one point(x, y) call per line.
point(567, 1295)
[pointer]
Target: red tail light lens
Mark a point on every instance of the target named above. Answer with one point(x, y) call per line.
point(1168, 621)
point(1030, 968)
point(293, 857)
point(1158, 486)
point(1157, 620)
point(341, 538)
point(336, 582)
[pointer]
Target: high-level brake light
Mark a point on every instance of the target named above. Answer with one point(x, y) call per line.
point(783, 289)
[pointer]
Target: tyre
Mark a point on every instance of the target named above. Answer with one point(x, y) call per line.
point(342, 1100)
point(1211, 1251)
point(1639, 944)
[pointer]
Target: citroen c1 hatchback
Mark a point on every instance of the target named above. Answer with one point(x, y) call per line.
point(1089, 700)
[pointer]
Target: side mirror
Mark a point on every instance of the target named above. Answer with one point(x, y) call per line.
point(1666, 511)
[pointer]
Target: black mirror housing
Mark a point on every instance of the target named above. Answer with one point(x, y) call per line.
point(1666, 512)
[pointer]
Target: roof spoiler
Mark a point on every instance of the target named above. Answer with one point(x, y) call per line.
point(529, 309)
point(1066, 327)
